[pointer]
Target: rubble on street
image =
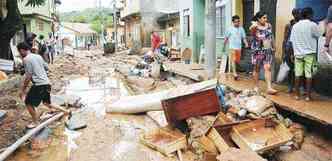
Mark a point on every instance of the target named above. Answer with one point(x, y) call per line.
point(184, 118)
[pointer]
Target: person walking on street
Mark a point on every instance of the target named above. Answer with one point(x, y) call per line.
point(263, 49)
point(35, 72)
point(43, 49)
point(328, 30)
point(288, 52)
point(234, 36)
point(51, 50)
point(304, 38)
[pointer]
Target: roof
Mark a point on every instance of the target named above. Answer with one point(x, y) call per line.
point(169, 16)
point(81, 28)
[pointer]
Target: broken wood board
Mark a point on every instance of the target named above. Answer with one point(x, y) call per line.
point(159, 117)
point(257, 137)
point(186, 70)
point(234, 154)
point(152, 101)
point(196, 104)
point(218, 141)
point(164, 140)
point(208, 144)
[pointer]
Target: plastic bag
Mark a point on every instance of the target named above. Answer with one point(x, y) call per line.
point(283, 72)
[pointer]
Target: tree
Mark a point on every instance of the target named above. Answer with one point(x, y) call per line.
point(97, 21)
point(80, 19)
point(10, 24)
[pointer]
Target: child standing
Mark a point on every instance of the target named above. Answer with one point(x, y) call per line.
point(234, 36)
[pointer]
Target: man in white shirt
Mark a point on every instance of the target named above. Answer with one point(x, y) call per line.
point(304, 38)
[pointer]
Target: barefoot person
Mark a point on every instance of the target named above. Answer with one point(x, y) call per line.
point(263, 49)
point(234, 36)
point(304, 38)
point(35, 72)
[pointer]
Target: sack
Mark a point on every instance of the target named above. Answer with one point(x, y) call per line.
point(283, 72)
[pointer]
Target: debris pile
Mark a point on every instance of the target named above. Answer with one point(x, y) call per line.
point(234, 126)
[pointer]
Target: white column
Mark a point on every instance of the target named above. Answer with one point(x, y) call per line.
point(210, 37)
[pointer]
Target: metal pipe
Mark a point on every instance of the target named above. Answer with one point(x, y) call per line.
point(23, 139)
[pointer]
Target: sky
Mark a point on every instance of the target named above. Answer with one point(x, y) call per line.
point(75, 5)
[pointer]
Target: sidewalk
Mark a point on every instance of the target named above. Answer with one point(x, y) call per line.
point(320, 109)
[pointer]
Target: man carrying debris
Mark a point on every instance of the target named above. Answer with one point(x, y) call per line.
point(234, 36)
point(304, 37)
point(36, 72)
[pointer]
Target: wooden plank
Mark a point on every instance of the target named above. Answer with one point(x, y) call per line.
point(257, 137)
point(164, 140)
point(159, 117)
point(220, 143)
point(197, 104)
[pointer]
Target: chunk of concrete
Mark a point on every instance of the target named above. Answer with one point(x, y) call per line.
point(67, 100)
point(76, 122)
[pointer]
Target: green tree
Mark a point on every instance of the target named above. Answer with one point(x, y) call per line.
point(12, 23)
point(97, 21)
point(80, 19)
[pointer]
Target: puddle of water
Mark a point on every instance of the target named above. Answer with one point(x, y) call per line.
point(95, 89)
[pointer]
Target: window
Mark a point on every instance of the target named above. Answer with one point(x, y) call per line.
point(40, 25)
point(221, 21)
point(186, 23)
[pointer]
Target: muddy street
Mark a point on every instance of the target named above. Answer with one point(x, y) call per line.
point(99, 81)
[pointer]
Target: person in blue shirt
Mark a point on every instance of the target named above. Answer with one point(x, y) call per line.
point(235, 35)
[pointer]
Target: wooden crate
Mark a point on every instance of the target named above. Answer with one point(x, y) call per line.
point(257, 137)
point(197, 104)
point(164, 140)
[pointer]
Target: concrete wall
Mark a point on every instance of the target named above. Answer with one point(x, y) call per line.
point(130, 7)
point(186, 41)
point(47, 27)
point(284, 15)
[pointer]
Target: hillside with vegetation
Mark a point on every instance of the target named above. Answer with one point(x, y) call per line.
point(93, 16)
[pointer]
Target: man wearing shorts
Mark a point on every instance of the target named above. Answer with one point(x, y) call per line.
point(234, 36)
point(304, 38)
point(35, 72)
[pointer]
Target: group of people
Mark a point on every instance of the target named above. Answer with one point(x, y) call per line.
point(47, 48)
point(300, 48)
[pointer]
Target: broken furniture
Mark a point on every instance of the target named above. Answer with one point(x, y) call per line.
point(196, 104)
point(260, 135)
point(165, 140)
point(175, 54)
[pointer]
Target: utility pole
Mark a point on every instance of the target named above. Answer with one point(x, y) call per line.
point(115, 25)
point(210, 37)
point(101, 23)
